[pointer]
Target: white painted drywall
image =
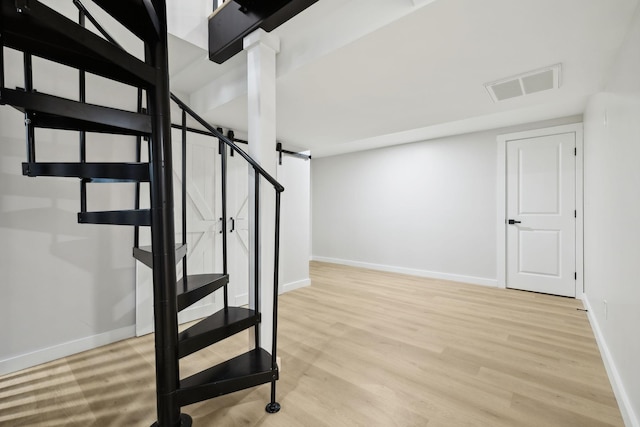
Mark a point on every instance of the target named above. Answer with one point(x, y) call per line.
point(425, 208)
point(612, 222)
point(189, 21)
point(295, 175)
point(65, 287)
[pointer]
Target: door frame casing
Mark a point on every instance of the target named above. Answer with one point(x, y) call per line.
point(501, 199)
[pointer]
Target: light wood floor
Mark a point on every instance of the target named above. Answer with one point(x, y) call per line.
point(360, 348)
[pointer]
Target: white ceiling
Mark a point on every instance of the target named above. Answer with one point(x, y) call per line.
point(358, 74)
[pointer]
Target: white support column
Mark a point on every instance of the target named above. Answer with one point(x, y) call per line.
point(262, 48)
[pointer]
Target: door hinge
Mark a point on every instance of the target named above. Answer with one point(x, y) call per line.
point(575, 151)
point(575, 214)
point(575, 275)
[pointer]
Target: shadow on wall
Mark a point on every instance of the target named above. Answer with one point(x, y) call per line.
point(62, 281)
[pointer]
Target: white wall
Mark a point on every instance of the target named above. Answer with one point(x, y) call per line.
point(65, 287)
point(295, 175)
point(427, 208)
point(612, 222)
point(189, 21)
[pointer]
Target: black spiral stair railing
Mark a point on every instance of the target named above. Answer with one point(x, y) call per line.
point(34, 29)
point(264, 356)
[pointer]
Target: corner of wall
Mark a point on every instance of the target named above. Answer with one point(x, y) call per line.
point(624, 401)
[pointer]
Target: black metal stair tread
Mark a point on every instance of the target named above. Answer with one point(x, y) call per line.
point(93, 172)
point(199, 286)
point(138, 16)
point(247, 370)
point(60, 113)
point(30, 26)
point(140, 217)
point(218, 326)
point(145, 255)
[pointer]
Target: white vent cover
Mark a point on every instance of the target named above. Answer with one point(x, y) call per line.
point(525, 83)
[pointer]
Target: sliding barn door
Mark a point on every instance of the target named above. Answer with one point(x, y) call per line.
point(204, 242)
point(238, 230)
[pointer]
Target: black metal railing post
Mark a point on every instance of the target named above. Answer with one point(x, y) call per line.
point(28, 117)
point(274, 406)
point(256, 253)
point(184, 197)
point(136, 230)
point(82, 89)
point(223, 195)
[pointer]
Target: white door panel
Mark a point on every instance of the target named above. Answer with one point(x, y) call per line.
point(203, 228)
point(539, 251)
point(203, 187)
point(238, 239)
point(539, 185)
point(541, 203)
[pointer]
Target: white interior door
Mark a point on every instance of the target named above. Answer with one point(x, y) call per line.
point(238, 230)
point(541, 209)
point(203, 228)
point(203, 224)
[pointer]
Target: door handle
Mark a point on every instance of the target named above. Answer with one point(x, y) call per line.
point(233, 225)
point(513, 221)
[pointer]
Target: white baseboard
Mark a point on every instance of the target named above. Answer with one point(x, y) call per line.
point(294, 285)
point(48, 354)
point(412, 271)
point(624, 402)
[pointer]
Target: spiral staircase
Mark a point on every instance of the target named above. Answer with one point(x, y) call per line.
point(36, 30)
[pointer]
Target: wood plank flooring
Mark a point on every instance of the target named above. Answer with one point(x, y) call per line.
point(359, 348)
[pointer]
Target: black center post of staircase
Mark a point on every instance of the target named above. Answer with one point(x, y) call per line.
point(162, 230)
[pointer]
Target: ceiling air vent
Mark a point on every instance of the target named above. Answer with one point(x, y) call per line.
point(525, 83)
